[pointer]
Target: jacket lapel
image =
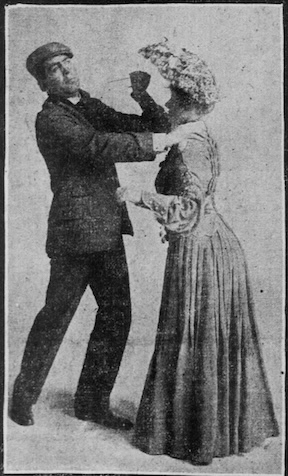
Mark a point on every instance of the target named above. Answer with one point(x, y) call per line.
point(69, 108)
point(72, 111)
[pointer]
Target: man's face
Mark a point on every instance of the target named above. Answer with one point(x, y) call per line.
point(61, 76)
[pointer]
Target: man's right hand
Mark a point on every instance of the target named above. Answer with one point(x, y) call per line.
point(190, 130)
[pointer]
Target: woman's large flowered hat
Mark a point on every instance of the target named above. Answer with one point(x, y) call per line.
point(185, 71)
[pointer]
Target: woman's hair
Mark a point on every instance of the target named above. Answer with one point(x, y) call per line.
point(186, 72)
point(187, 102)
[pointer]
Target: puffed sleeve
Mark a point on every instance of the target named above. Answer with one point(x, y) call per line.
point(178, 214)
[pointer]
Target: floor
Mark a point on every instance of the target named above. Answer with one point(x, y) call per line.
point(58, 442)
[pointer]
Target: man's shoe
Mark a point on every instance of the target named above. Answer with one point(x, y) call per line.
point(83, 415)
point(112, 421)
point(106, 419)
point(22, 414)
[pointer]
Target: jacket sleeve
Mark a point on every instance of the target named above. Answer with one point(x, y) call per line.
point(153, 118)
point(80, 140)
point(153, 114)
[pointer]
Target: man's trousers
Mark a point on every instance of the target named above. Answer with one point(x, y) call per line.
point(107, 275)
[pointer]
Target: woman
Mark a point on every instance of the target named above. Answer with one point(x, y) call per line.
point(206, 392)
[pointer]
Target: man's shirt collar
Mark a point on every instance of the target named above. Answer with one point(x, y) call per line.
point(84, 96)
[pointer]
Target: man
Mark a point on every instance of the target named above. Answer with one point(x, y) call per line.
point(80, 139)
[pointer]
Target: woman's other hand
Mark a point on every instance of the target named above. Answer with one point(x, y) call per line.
point(121, 193)
point(128, 194)
point(163, 234)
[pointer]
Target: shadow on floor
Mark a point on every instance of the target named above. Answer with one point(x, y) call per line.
point(125, 409)
point(61, 400)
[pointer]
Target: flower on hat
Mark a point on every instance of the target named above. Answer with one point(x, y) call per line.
point(184, 70)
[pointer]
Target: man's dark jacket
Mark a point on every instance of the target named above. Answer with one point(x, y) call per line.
point(81, 145)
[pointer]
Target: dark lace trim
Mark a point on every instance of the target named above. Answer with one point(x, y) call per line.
point(214, 162)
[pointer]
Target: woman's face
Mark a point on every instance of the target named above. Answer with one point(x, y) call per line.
point(178, 114)
point(173, 105)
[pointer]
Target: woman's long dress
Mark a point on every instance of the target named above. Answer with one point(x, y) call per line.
point(206, 392)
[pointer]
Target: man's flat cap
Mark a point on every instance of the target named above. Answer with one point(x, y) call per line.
point(43, 53)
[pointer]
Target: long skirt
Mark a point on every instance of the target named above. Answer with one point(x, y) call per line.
point(206, 392)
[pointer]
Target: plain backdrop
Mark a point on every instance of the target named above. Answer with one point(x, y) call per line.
point(243, 46)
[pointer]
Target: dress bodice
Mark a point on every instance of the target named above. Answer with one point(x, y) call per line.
point(185, 186)
point(197, 163)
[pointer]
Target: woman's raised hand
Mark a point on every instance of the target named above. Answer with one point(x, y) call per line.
point(139, 81)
